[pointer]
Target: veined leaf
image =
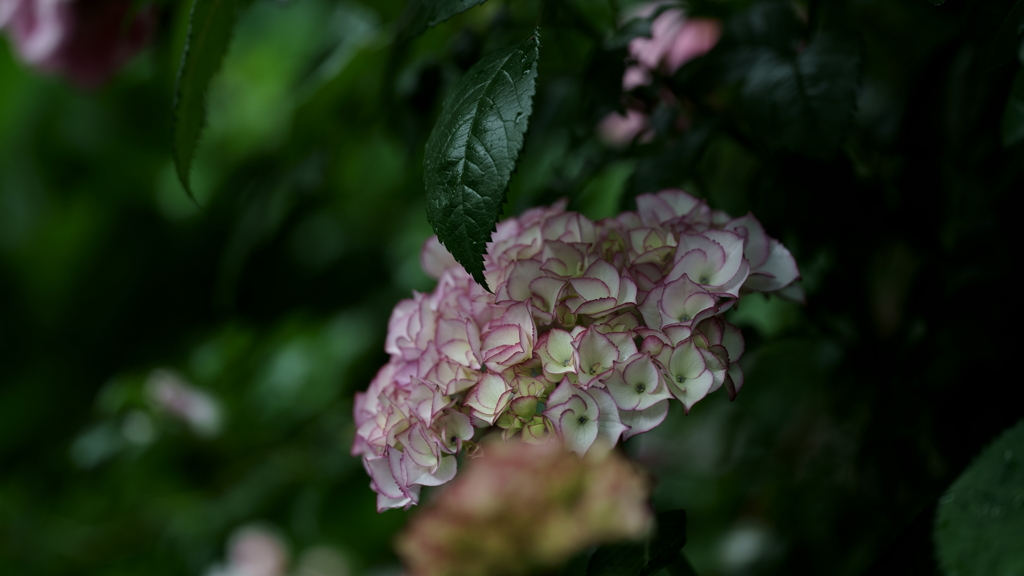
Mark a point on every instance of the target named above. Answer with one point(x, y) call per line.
point(422, 14)
point(473, 148)
point(209, 34)
point(804, 102)
point(979, 525)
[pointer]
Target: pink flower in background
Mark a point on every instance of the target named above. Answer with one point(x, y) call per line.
point(592, 329)
point(86, 41)
point(522, 507)
point(675, 40)
point(253, 550)
point(172, 395)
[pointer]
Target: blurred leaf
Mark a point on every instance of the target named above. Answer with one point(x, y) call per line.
point(209, 34)
point(996, 26)
point(638, 27)
point(646, 558)
point(472, 150)
point(422, 14)
point(979, 525)
point(1013, 115)
point(803, 103)
point(602, 194)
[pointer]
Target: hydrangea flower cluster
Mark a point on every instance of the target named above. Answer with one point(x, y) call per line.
point(593, 327)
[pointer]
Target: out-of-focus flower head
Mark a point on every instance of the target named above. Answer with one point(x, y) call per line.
point(172, 395)
point(253, 550)
point(86, 41)
point(593, 327)
point(521, 507)
point(675, 40)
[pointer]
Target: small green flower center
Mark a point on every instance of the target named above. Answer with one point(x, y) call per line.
point(640, 388)
point(582, 419)
point(680, 379)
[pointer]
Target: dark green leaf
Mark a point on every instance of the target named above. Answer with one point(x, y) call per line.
point(765, 24)
point(646, 558)
point(422, 14)
point(472, 150)
point(996, 26)
point(802, 102)
point(1013, 115)
point(209, 34)
point(979, 526)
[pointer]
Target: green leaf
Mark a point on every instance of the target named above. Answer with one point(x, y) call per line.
point(979, 526)
point(803, 102)
point(646, 558)
point(793, 98)
point(1013, 115)
point(472, 150)
point(209, 34)
point(422, 14)
point(995, 25)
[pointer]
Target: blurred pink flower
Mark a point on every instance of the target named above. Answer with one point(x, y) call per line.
point(521, 507)
point(618, 131)
point(86, 41)
point(171, 394)
point(675, 40)
point(254, 550)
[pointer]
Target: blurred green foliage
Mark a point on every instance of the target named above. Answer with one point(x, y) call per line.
point(272, 294)
point(980, 520)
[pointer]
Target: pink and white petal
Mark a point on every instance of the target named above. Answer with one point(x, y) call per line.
point(591, 288)
point(732, 339)
point(487, 397)
point(516, 284)
point(546, 291)
point(692, 263)
point(692, 390)
point(610, 426)
point(736, 380)
point(733, 286)
point(561, 393)
point(778, 271)
point(597, 307)
point(756, 246)
point(383, 481)
point(444, 472)
point(640, 421)
point(627, 291)
point(578, 431)
point(558, 352)
point(435, 258)
point(650, 307)
point(623, 393)
point(606, 273)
